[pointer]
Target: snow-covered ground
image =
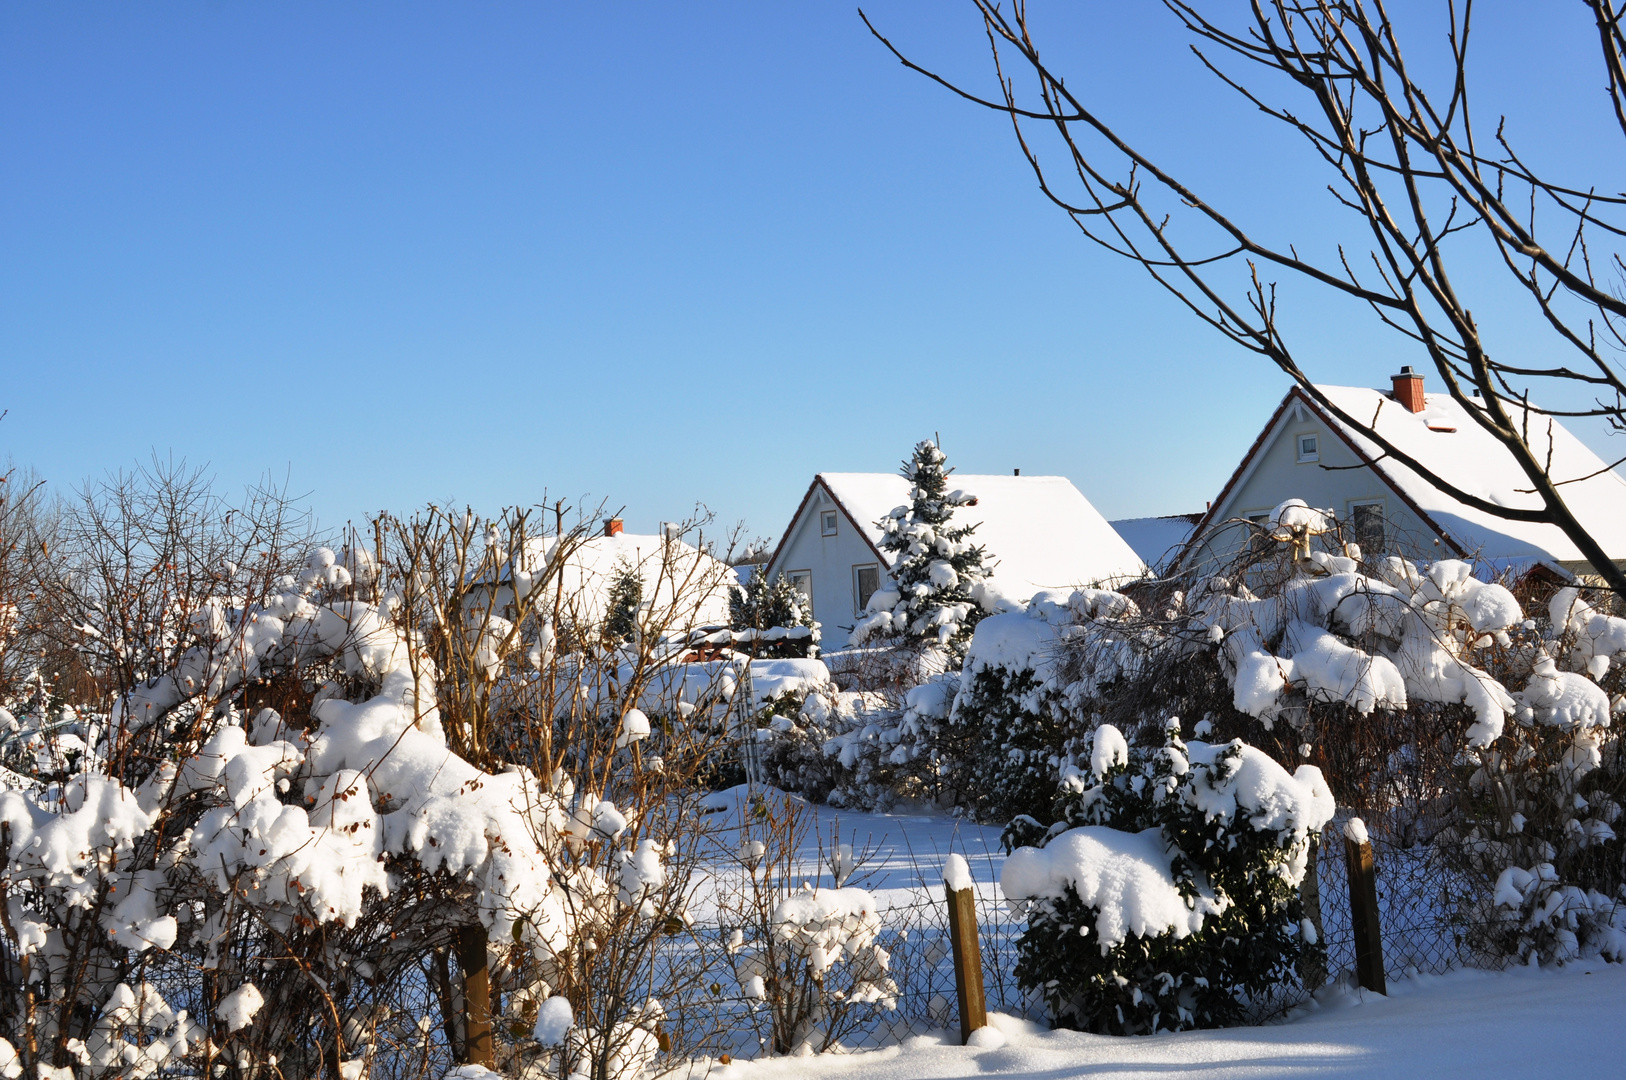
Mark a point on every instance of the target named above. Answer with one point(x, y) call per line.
point(1521, 1023)
point(908, 848)
point(1469, 1024)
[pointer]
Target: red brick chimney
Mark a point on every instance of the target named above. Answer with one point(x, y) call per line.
point(1409, 389)
point(612, 526)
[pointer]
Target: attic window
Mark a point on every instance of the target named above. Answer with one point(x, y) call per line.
point(827, 523)
point(1309, 448)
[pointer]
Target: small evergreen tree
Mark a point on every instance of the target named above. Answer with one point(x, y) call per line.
point(626, 594)
point(936, 563)
point(1237, 829)
point(763, 603)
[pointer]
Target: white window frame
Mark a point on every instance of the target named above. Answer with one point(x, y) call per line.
point(858, 600)
point(829, 522)
point(1298, 447)
point(797, 576)
point(1257, 517)
point(1383, 515)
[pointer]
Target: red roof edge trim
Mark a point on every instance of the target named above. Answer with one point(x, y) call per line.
point(818, 483)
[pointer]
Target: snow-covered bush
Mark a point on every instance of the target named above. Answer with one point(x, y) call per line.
point(1167, 896)
point(1017, 715)
point(930, 596)
point(764, 614)
point(334, 811)
point(806, 952)
point(1543, 802)
point(1437, 709)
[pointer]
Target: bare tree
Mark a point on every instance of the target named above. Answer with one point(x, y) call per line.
point(1424, 182)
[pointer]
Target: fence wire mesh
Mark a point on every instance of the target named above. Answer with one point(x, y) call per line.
point(1421, 904)
point(720, 1018)
point(1422, 907)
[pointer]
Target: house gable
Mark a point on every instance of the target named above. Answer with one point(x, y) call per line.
point(830, 560)
point(1337, 473)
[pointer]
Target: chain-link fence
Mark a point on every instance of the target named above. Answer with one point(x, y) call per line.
point(721, 1018)
point(1422, 905)
point(1420, 899)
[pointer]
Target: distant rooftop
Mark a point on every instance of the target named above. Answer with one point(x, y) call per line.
point(1040, 531)
point(1157, 540)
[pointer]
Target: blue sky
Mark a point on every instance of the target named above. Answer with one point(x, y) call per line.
point(654, 254)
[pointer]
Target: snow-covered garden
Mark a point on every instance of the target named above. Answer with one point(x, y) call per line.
point(458, 793)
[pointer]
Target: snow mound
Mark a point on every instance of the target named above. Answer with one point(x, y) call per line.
point(1126, 877)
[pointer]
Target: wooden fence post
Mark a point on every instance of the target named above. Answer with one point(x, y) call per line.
point(471, 957)
point(1313, 967)
point(962, 913)
point(1363, 907)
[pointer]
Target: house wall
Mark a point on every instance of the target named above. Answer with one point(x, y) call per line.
point(831, 560)
point(1277, 475)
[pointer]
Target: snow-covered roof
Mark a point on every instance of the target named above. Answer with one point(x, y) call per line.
point(1447, 440)
point(672, 571)
point(1157, 540)
point(1039, 531)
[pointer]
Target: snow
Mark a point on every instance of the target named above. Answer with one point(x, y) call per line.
point(1267, 795)
point(1018, 641)
point(1467, 1025)
point(1157, 540)
point(554, 1019)
point(1294, 516)
point(1108, 750)
point(1596, 635)
point(1125, 877)
point(682, 585)
point(1563, 699)
point(1472, 460)
point(237, 1008)
point(1040, 531)
point(1355, 829)
point(956, 874)
point(910, 848)
point(97, 812)
point(634, 728)
point(464, 1072)
point(1333, 671)
point(986, 1038)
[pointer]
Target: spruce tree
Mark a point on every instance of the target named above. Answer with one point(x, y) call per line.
point(626, 594)
point(936, 564)
point(764, 603)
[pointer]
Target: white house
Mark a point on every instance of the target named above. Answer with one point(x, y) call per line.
point(683, 587)
point(1039, 532)
point(1305, 452)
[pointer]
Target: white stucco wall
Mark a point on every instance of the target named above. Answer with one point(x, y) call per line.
point(831, 561)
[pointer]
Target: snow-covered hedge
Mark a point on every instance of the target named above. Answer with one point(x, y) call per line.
point(849, 748)
point(1167, 895)
point(1018, 714)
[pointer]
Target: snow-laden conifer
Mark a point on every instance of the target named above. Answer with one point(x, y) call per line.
point(937, 565)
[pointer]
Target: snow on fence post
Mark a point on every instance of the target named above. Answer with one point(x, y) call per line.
point(1363, 907)
point(962, 913)
point(471, 958)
